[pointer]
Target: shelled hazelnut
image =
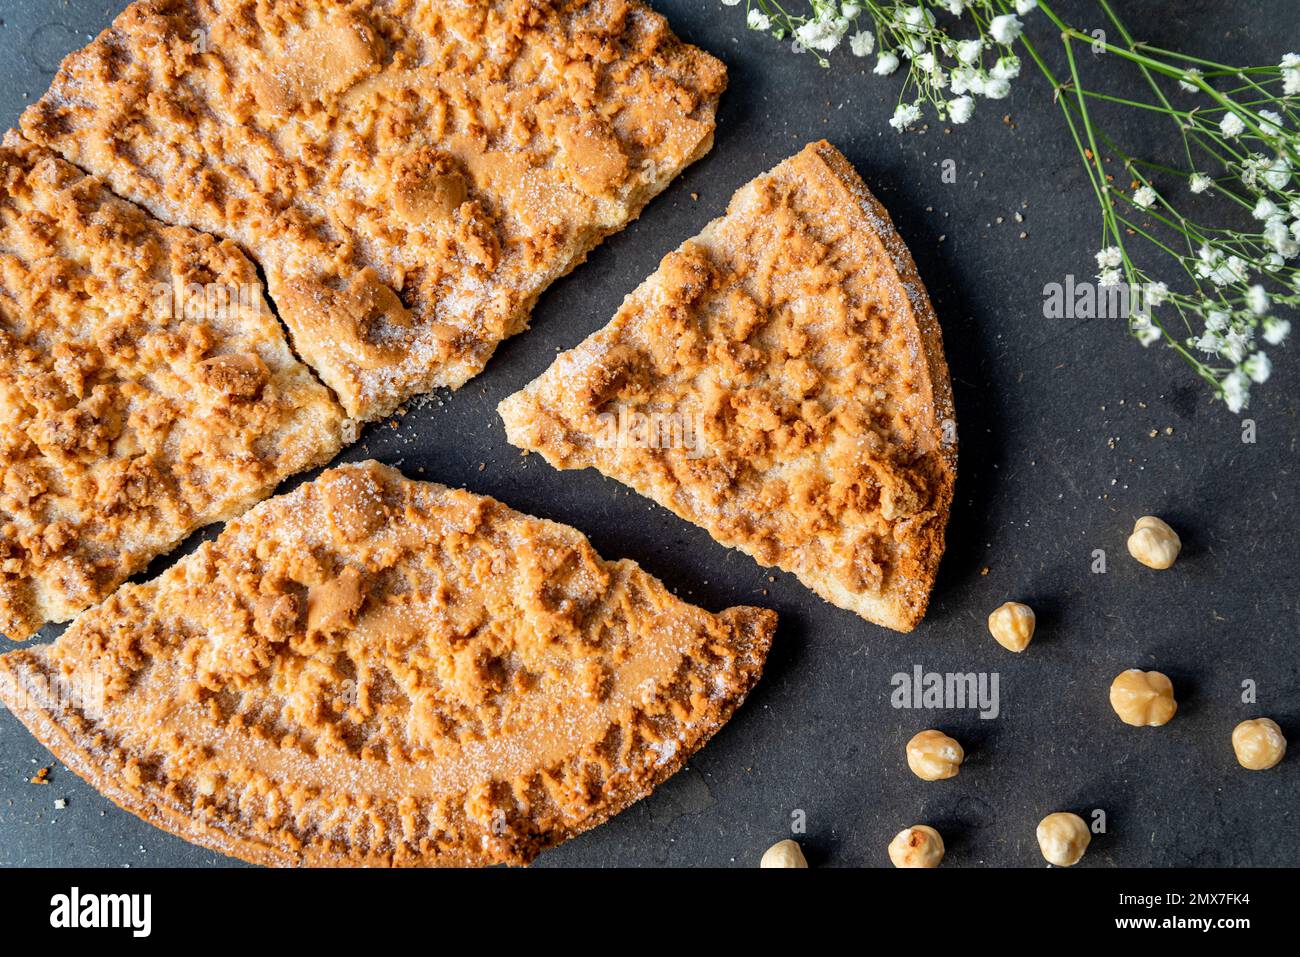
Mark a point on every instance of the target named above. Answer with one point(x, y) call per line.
point(785, 853)
point(1154, 543)
point(1143, 698)
point(1012, 625)
point(1259, 744)
point(917, 846)
point(1063, 837)
point(933, 756)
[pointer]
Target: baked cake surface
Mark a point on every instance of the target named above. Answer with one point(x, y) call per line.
point(146, 389)
point(370, 670)
point(410, 174)
point(780, 381)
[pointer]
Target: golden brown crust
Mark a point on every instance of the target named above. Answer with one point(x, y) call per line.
point(410, 174)
point(370, 670)
point(146, 390)
point(788, 374)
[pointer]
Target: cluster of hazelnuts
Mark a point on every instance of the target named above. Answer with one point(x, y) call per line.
point(1140, 698)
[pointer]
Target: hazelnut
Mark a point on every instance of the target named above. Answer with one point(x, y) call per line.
point(917, 846)
point(1143, 698)
point(933, 756)
point(1154, 543)
point(1063, 837)
point(783, 854)
point(1012, 625)
point(1259, 744)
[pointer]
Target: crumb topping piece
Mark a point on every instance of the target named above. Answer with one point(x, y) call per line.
point(787, 374)
point(410, 174)
point(370, 670)
point(135, 406)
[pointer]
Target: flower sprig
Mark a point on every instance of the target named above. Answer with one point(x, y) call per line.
point(944, 70)
point(1208, 242)
point(1211, 237)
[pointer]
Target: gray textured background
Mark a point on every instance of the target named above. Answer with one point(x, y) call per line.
point(1054, 418)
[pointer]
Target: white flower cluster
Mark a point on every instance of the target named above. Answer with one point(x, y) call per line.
point(944, 71)
point(1234, 267)
point(1231, 320)
point(1290, 67)
point(1235, 310)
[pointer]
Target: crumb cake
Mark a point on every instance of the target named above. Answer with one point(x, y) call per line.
point(780, 381)
point(410, 174)
point(371, 670)
point(135, 405)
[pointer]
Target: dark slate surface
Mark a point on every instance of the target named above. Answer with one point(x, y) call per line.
point(1056, 460)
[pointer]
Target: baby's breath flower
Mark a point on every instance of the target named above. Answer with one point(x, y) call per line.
point(1108, 277)
point(1279, 237)
point(886, 64)
point(1257, 299)
point(955, 7)
point(912, 46)
point(965, 79)
point(1144, 329)
point(1025, 6)
point(905, 115)
point(823, 35)
point(1258, 367)
point(968, 51)
point(1265, 209)
point(1278, 173)
point(1144, 197)
point(1220, 270)
point(1006, 28)
point(862, 43)
point(1199, 183)
point(1231, 125)
point(1210, 343)
point(1291, 74)
point(1276, 330)
point(1007, 68)
point(1156, 293)
point(1251, 169)
point(1270, 121)
point(758, 20)
point(1234, 345)
point(1109, 257)
point(996, 89)
point(1236, 391)
point(960, 109)
point(1188, 81)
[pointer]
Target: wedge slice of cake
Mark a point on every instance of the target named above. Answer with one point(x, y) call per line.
point(146, 389)
point(410, 174)
point(370, 670)
point(780, 381)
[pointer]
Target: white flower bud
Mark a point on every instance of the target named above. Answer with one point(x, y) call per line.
point(1006, 28)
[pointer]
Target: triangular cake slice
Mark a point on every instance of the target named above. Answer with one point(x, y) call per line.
point(146, 389)
point(780, 381)
point(411, 174)
point(371, 670)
